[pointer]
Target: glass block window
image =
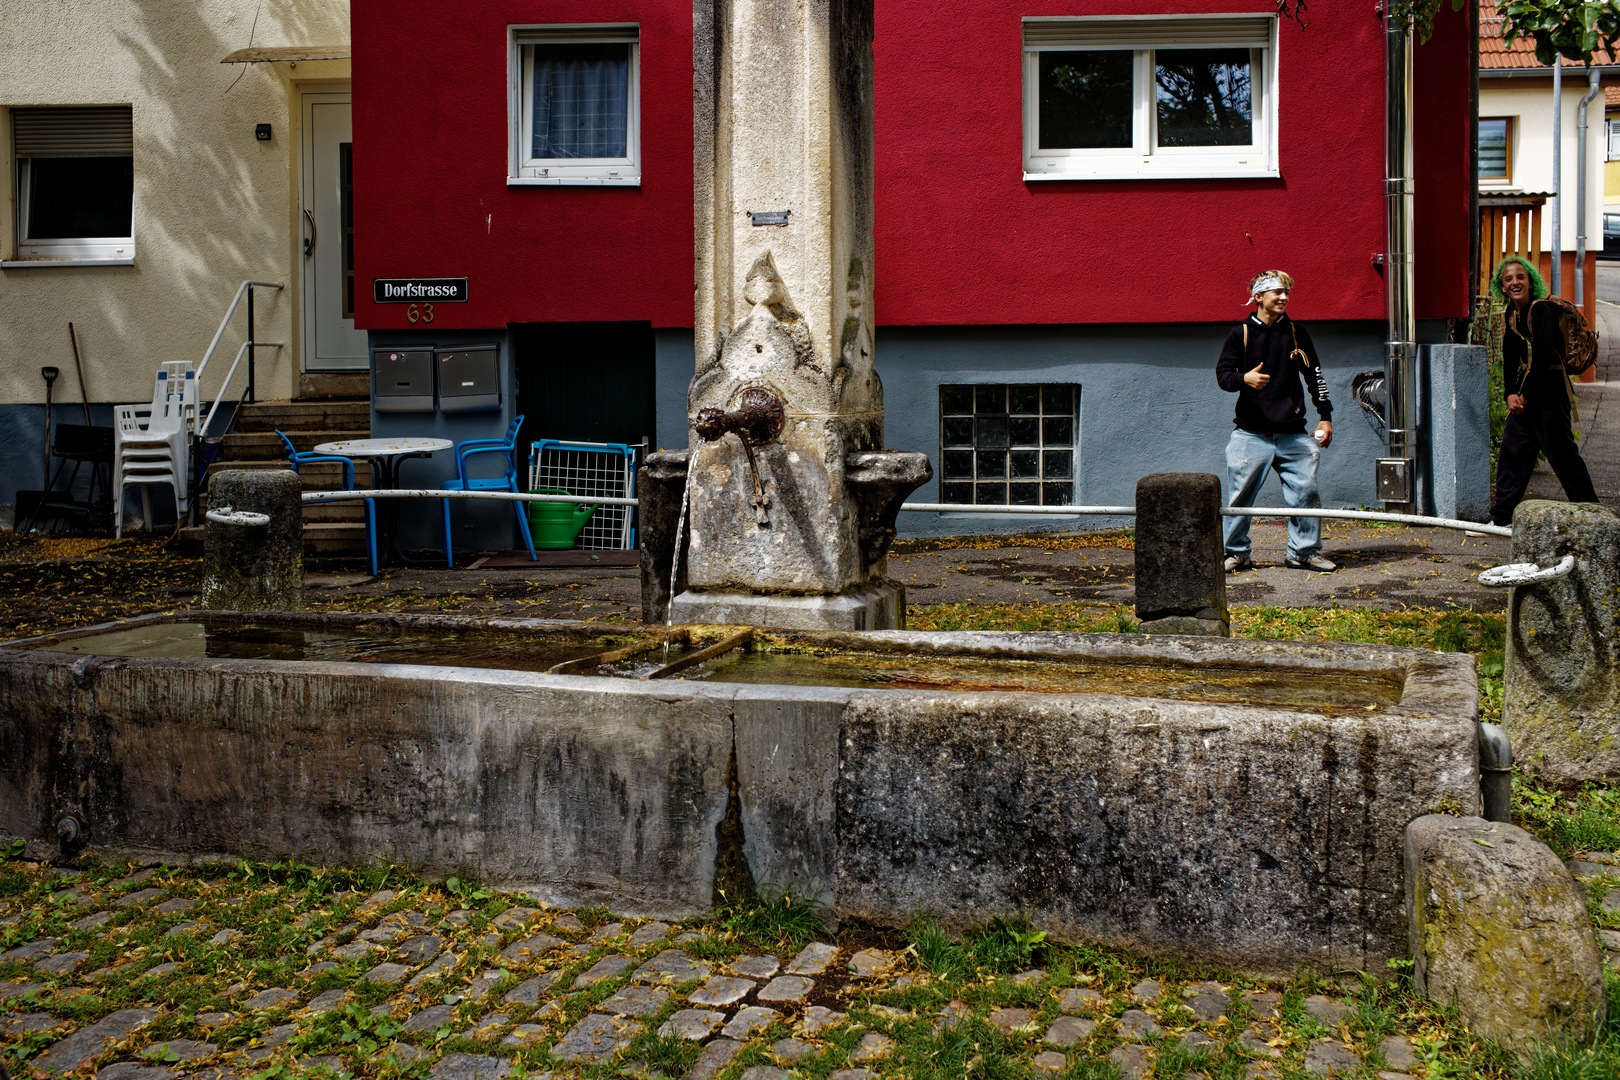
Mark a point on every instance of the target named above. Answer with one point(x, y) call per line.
point(1006, 444)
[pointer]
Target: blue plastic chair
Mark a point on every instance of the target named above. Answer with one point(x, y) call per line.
point(507, 481)
point(304, 457)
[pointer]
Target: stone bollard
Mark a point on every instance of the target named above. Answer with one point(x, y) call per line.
point(1180, 580)
point(255, 567)
point(1561, 688)
point(1499, 926)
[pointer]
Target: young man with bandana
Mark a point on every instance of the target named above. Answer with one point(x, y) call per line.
point(1261, 363)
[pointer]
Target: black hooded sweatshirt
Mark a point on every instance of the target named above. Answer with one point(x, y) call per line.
point(1279, 409)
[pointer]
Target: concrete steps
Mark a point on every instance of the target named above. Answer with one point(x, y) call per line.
point(331, 406)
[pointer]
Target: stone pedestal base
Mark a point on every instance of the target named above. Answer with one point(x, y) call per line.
point(879, 606)
point(1187, 624)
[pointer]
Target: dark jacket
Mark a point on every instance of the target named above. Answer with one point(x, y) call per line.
point(1279, 409)
point(1544, 382)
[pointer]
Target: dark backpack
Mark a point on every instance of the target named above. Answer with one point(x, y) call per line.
point(1580, 341)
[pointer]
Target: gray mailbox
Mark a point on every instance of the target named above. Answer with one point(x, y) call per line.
point(469, 378)
point(402, 379)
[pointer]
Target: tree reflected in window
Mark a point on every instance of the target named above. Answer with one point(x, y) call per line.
point(1204, 97)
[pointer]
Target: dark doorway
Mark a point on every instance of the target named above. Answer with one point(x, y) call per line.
point(584, 382)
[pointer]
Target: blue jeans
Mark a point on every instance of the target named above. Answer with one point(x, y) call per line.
point(1248, 455)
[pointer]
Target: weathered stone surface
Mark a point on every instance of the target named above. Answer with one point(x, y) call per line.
point(175, 906)
point(792, 1049)
point(140, 896)
point(90, 922)
point(470, 1067)
point(749, 1020)
point(764, 1072)
point(1024, 978)
point(1210, 1002)
point(1500, 925)
point(871, 1047)
point(693, 1024)
point(181, 1049)
point(1081, 1000)
point(716, 1056)
point(444, 962)
point(1007, 1020)
point(1134, 1061)
point(819, 1017)
point(356, 950)
point(756, 967)
point(1398, 1053)
point(528, 991)
point(265, 1044)
point(671, 966)
point(1179, 573)
point(1135, 1023)
point(255, 567)
point(636, 1001)
point(273, 998)
point(61, 963)
point(326, 1001)
point(431, 1018)
point(1561, 687)
point(16, 1025)
point(1068, 1030)
point(521, 952)
point(606, 969)
point(787, 988)
point(87, 1042)
point(914, 779)
point(1329, 1058)
point(209, 1020)
point(1257, 1038)
point(1148, 990)
point(850, 1074)
point(514, 918)
point(1048, 1062)
point(813, 959)
point(1332, 1013)
point(524, 1034)
point(128, 1070)
point(607, 931)
point(1262, 1002)
point(419, 950)
point(1192, 1040)
point(645, 935)
point(721, 990)
point(595, 1038)
point(386, 973)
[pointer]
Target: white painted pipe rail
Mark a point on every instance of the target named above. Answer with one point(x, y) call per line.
point(229, 375)
point(1524, 573)
point(941, 508)
point(227, 516)
point(223, 323)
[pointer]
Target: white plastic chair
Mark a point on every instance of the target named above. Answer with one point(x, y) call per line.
point(152, 442)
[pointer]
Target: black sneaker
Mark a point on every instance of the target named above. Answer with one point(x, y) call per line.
point(1313, 562)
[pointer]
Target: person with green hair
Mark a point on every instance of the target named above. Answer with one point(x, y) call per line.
point(1537, 389)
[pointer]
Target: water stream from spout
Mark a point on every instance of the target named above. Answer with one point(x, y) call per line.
point(675, 564)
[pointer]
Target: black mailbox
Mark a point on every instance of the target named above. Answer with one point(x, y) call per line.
point(469, 378)
point(402, 379)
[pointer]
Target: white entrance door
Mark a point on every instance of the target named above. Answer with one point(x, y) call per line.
point(327, 217)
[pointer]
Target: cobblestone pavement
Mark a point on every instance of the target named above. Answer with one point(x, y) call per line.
point(264, 972)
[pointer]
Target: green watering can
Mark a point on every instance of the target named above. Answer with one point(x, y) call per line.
point(557, 525)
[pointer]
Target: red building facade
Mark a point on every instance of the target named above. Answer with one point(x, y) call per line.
point(998, 261)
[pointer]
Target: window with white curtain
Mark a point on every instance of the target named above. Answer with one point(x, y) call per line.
point(575, 108)
point(1124, 98)
point(75, 183)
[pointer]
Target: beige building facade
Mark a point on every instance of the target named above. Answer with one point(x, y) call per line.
point(145, 180)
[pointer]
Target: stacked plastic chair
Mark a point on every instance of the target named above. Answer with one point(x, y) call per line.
point(508, 481)
point(305, 457)
point(152, 443)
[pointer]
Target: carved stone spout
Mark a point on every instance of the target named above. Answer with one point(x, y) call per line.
point(756, 420)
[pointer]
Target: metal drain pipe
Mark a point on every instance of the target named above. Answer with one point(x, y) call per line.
point(1396, 472)
point(1594, 88)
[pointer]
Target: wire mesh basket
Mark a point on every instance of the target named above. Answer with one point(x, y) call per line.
point(595, 471)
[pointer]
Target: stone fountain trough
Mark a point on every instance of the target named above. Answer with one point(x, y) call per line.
point(1264, 834)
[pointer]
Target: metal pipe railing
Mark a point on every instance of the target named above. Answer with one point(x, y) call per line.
point(940, 508)
point(223, 323)
point(229, 375)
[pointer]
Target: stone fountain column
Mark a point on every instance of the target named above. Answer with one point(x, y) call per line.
point(792, 497)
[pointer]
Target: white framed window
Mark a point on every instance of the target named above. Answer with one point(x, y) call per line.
point(75, 184)
point(1613, 133)
point(1158, 96)
point(575, 104)
point(1495, 135)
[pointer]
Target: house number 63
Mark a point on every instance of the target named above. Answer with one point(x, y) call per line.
point(425, 314)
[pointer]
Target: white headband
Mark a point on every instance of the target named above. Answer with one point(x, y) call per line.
point(1265, 284)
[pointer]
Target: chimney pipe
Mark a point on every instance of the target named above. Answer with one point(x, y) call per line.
point(1396, 472)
